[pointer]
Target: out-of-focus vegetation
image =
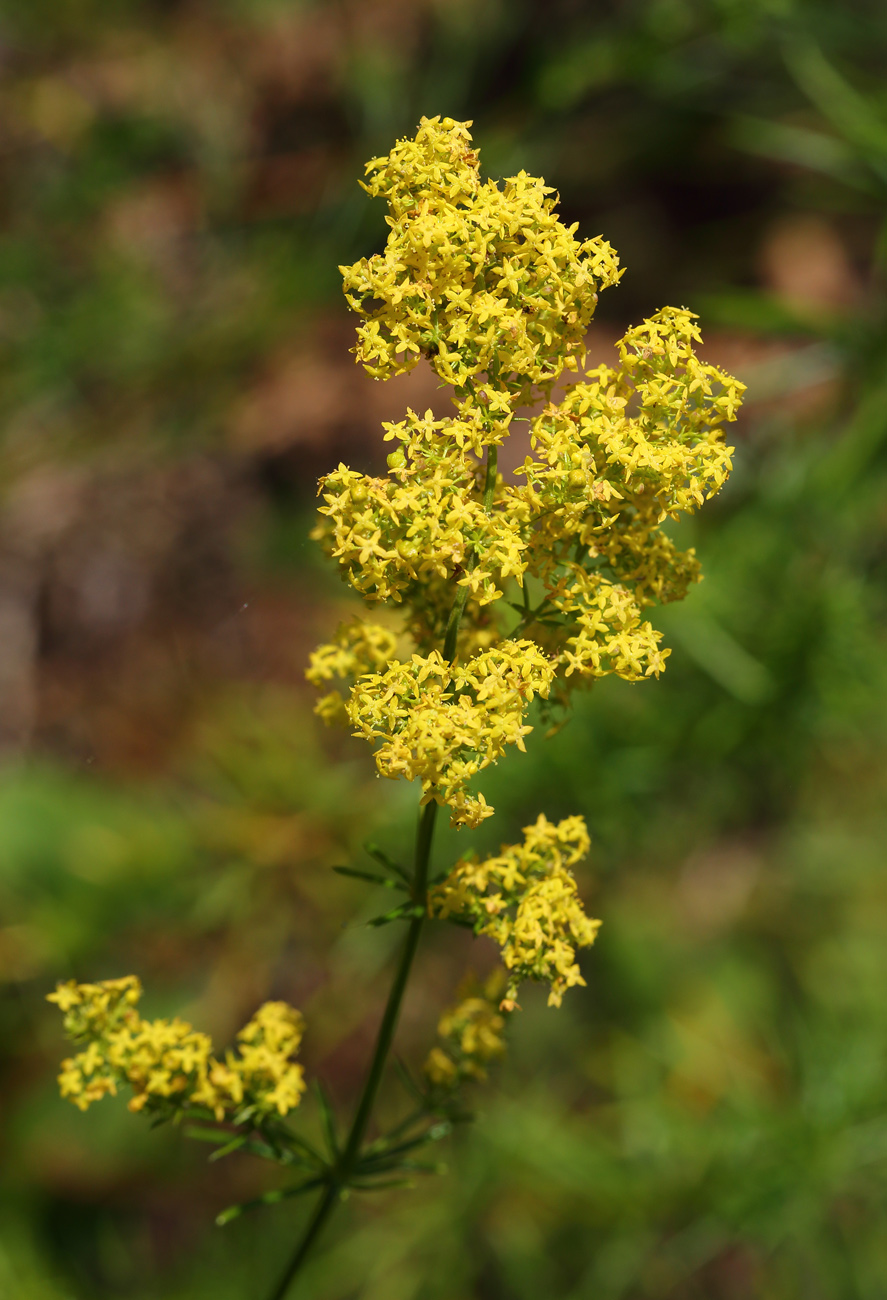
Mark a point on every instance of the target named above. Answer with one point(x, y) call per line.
point(708, 1119)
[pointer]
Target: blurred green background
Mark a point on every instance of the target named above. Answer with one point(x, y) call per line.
point(708, 1119)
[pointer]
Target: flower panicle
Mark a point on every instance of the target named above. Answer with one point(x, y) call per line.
point(550, 576)
point(481, 278)
point(484, 281)
point(525, 898)
point(470, 1034)
point(170, 1066)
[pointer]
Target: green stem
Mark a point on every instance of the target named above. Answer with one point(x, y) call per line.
point(490, 481)
point(322, 1211)
point(395, 997)
point(449, 649)
point(528, 619)
point(344, 1167)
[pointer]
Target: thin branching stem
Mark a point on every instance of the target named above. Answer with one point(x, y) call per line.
point(343, 1169)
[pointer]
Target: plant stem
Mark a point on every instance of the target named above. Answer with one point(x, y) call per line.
point(452, 631)
point(490, 481)
point(528, 619)
point(344, 1166)
point(449, 650)
point(395, 997)
point(322, 1211)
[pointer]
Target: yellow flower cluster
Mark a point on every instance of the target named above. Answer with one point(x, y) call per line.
point(526, 900)
point(606, 634)
point(483, 280)
point(470, 1035)
point(444, 723)
point(169, 1065)
point(357, 648)
point(647, 431)
point(427, 520)
point(625, 449)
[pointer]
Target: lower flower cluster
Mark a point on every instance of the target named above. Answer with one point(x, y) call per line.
point(470, 1035)
point(526, 900)
point(170, 1066)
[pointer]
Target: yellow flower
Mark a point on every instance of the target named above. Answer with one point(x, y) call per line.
point(526, 899)
point(470, 1034)
point(444, 723)
point(481, 278)
point(166, 1061)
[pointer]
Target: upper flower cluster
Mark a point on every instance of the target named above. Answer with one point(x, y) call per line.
point(169, 1065)
point(483, 279)
point(558, 567)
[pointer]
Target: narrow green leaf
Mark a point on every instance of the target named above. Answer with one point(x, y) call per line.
point(328, 1118)
point(383, 1186)
point(384, 1143)
point(371, 876)
point(288, 1137)
point(406, 1078)
point(234, 1145)
point(269, 1198)
point(385, 860)
point(385, 1161)
point(208, 1134)
point(404, 912)
point(375, 1160)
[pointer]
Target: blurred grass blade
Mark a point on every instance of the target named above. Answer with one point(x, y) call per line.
point(853, 115)
point(799, 146)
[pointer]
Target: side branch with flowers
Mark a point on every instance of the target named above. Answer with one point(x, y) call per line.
point(506, 593)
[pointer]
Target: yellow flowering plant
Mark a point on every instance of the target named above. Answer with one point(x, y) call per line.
point(505, 592)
